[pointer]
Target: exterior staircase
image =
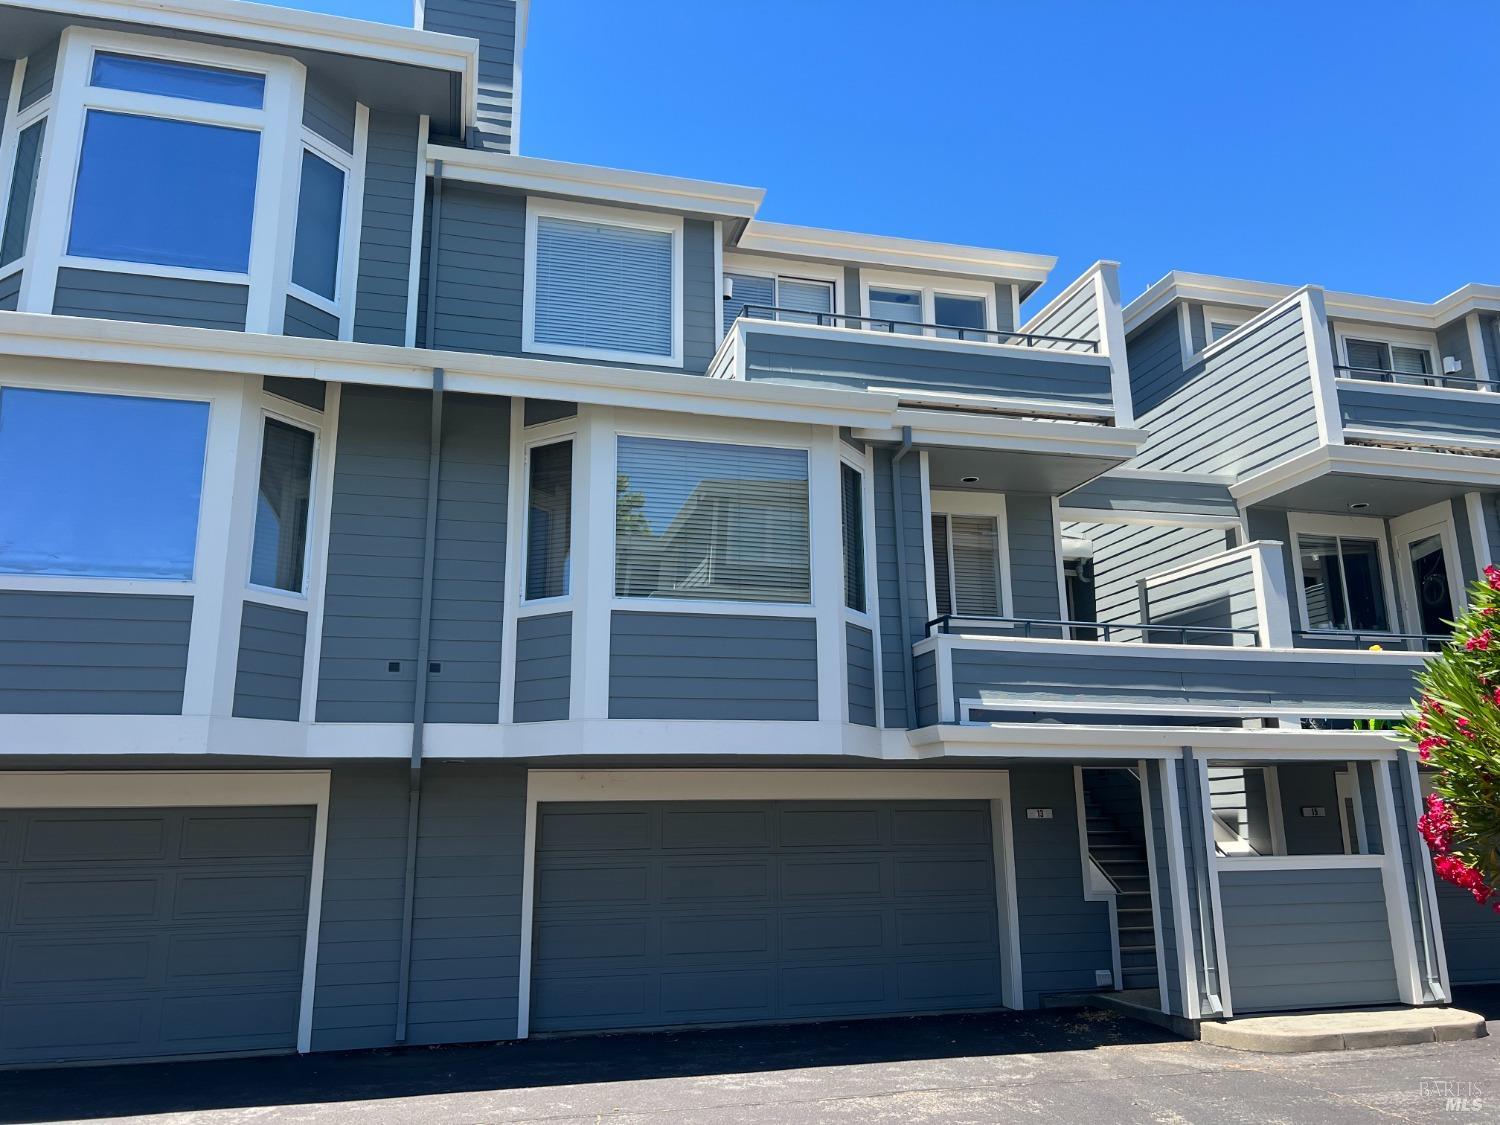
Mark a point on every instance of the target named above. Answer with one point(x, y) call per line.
point(1116, 841)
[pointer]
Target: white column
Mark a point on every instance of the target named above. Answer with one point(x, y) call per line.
point(1272, 603)
point(593, 560)
point(825, 514)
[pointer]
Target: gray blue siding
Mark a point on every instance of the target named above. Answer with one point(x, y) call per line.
point(1076, 318)
point(466, 941)
point(1157, 365)
point(544, 663)
point(374, 583)
point(329, 112)
point(1307, 939)
point(540, 410)
point(822, 360)
point(268, 680)
point(712, 666)
point(895, 651)
point(303, 319)
point(1453, 339)
point(1162, 848)
point(93, 654)
point(1164, 495)
point(1064, 938)
point(493, 23)
point(1245, 407)
point(1218, 597)
point(1033, 557)
point(385, 243)
point(311, 393)
point(10, 292)
point(36, 83)
point(158, 300)
point(1125, 552)
point(1426, 415)
point(859, 648)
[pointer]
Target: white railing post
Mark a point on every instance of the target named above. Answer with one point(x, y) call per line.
point(1272, 605)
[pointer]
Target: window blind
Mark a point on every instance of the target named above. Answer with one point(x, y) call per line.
point(966, 565)
point(1367, 354)
point(852, 502)
point(279, 551)
point(603, 286)
point(1411, 361)
point(803, 297)
point(702, 520)
point(748, 290)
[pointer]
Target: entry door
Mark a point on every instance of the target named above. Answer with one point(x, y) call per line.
point(1429, 578)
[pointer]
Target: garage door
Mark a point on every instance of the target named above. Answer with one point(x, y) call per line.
point(669, 914)
point(1471, 936)
point(149, 932)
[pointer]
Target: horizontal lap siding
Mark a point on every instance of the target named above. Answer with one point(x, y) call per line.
point(36, 83)
point(1125, 552)
point(925, 686)
point(893, 647)
point(374, 585)
point(157, 300)
point(712, 666)
point(1166, 905)
point(10, 292)
point(544, 664)
point(1430, 416)
point(1156, 363)
point(1244, 408)
point(466, 934)
point(1033, 557)
point(305, 320)
point(385, 244)
point(493, 23)
point(1175, 680)
point(1307, 939)
point(853, 362)
point(1064, 939)
point(1219, 597)
point(1077, 318)
point(268, 680)
point(859, 649)
point(329, 112)
point(93, 654)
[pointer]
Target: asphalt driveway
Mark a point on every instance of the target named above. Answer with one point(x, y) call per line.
point(1054, 1066)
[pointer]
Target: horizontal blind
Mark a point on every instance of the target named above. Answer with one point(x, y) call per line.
point(852, 503)
point(747, 289)
point(707, 521)
point(942, 577)
point(804, 297)
point(1366, 353)
point(1411, 361)
point(976, 565)
point(603, 286)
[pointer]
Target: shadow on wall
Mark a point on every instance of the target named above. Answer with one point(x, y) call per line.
point(186, 1087)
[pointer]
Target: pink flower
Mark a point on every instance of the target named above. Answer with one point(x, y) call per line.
point(1436, 826)
point(1492, 575)
point(1480, 643)
point(1464, 875)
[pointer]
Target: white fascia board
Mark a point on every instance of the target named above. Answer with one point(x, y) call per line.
point(285, 27)
point(42, 336)
point(1461, 470)
point(1020, 740)
point(887, 252)
point(587, 181)
point(941, 429)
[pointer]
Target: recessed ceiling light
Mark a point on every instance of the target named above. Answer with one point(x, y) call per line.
point(1358, 506)
point(968, 480)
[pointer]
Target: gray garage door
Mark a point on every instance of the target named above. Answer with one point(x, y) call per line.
point(127, 933)
point(1471, 936)
point(666, 914)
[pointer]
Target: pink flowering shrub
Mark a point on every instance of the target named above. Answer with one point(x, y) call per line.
point(1456, 730)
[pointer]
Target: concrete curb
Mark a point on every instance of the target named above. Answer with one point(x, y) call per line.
point(1344, 1031)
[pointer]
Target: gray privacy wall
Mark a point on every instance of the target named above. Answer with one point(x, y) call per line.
point(268, 676)
point(817, 360)
point(712, 666)
point(481, 277)
point(1426, 415)
point(374, 584)
point(1125, 552)
point(392, 178)
point(466, 940)
point(894, 649)
point(1243, 408)
point(493, 23)
point(859, 646)
point(157, 300)
point(1064, 938)
point(1076, 318)
point(1306, 939)
point(544, 664)
point(92, 654)
point(1221, 596)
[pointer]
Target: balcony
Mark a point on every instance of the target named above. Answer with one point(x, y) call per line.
point(1378, 406)
point(1212, 647)
point(932, 365)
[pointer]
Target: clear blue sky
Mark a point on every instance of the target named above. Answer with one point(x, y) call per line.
point(1345, 143)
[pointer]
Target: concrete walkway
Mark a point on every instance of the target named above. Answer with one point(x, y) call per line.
point(1043, 1066)
point(1344, 1030)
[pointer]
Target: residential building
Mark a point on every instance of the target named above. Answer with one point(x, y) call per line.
point(452, 596)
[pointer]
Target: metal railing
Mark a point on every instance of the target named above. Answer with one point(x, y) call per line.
point(1363, 641)
point(1412, 378)
point(913, 328)
point(1146, 633)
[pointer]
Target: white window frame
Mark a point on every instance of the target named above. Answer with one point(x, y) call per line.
point(1223, 315)
point(301, 418)
point(279, 123)
point(954, 503)
point(777, 272)
point(612, 216)
point(753, 440)
point(527, 605)
point(931, 287)
point(17, 121)
point(350, 215)
point(1395, 338)
point(1350, 527)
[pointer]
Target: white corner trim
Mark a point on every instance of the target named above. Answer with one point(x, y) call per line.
point(1478, 530)
point(1192, 1000)
point(1398, 912)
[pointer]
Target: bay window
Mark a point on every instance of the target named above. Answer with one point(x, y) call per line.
point(320, 225)
point(549, 520)
point(278, 556)
point(852, 505)
point(707, 521)
point(21, 195)
point(100, 485)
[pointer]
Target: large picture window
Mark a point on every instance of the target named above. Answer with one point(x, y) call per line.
point(1343, 583)
point(704, 521)
point(99, 485)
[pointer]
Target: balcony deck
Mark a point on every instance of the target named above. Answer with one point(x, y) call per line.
point(1435, 410)
point(957, 368)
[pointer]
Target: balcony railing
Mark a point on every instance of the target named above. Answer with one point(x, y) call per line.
point(913, 328)
point(1395, 642)
point(1412, 378)
point(1127, 632)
